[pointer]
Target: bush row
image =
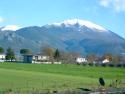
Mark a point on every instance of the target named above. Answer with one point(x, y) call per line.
point(105, 64)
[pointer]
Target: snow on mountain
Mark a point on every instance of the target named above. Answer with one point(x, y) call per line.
point(88, 40)
point(11, 27)
point(81, 23)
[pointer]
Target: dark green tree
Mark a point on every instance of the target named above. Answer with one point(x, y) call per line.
point(10, 54)
point(1, 50)
point(57, 55)
point(25, 51)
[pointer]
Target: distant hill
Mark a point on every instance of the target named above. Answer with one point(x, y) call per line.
point(71, 35)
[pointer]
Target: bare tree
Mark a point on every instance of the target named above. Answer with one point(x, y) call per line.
point(47, 51)
point(91, 58)
point(69, 57)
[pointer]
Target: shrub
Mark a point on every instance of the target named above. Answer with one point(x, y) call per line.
point(84, 64)
point(96, 64)
point(123, 65)
point(90, 64)
point(78, 64)
point(118, 65)
point(103, 65)
point(111, 65)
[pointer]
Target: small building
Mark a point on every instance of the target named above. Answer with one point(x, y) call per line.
point(38, 59)
point(2, 57)
point(27, 58)
point(80, 60)
point(41, 59)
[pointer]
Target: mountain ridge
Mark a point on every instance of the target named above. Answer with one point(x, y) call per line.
point(75, 37)
point(81, 23)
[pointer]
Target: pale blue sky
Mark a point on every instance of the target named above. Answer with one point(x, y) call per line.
point(107, 13)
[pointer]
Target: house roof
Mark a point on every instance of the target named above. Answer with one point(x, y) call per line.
point(27, 55)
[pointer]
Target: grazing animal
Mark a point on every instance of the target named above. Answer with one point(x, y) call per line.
point(101, 81)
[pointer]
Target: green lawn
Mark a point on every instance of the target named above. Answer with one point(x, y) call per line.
point(25, 77)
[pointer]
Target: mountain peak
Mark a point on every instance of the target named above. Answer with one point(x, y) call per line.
point(10, 27)
point(81, 23)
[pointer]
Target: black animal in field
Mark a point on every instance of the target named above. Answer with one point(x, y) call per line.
point(101, 81)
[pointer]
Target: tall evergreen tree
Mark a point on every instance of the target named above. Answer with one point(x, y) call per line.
point(1, 50)
point(10, 54)
point(57, 55)
point(25, 51)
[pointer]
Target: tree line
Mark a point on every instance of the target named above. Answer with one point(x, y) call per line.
point(10, 55)
point(64, 56)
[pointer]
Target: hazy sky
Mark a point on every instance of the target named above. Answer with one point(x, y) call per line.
point(107, 13)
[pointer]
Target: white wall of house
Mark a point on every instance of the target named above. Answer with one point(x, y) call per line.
point(2, 56)
point(57, 62)
point(39, 62)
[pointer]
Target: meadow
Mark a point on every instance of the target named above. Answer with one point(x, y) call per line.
point(23, 78)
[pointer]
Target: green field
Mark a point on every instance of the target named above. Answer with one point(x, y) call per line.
point(27, 77)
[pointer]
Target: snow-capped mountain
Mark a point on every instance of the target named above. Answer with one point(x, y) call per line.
point(10, 27)
point(71, 35)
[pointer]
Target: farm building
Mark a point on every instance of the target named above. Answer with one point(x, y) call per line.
point(27, 58)
point(41, 59)
point(38, 59)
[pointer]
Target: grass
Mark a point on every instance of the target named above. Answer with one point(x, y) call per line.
point(25, 77)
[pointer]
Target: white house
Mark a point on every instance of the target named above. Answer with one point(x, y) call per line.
point(41, 59)
point(38, 59)
point(2, 57)
point(80, 60)
point(105, 61)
